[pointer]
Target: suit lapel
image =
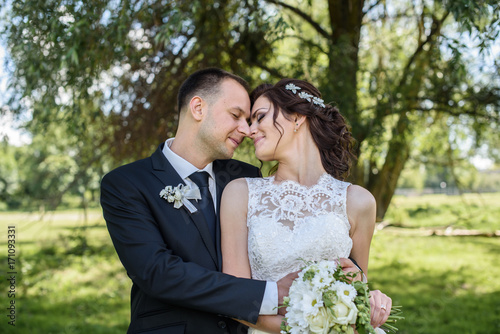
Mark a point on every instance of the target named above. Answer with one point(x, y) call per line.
point(164, 171)
point(222, 178)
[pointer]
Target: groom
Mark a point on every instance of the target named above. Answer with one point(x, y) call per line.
point(171, 249)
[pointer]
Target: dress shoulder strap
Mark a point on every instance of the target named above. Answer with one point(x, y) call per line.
point(257, 186)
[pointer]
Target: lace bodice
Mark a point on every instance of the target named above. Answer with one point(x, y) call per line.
point(288, 222)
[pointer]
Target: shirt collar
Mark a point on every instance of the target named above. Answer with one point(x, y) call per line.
point(183, 167)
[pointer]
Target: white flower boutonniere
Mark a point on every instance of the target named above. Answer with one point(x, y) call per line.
point(180, 196)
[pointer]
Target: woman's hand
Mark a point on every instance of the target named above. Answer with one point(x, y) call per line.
point(380, 307)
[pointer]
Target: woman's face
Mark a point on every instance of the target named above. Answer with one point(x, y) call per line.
point(265, 134)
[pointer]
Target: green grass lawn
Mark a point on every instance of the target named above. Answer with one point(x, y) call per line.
point(69, 279)
point(470, 211)
point(445, 284)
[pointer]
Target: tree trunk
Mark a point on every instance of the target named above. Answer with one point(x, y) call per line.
point(341, 83)
point(340, 86)
point(384, 183)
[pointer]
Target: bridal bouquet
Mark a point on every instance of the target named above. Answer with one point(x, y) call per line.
point(324, 300)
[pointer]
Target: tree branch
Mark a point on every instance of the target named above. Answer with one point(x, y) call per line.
point(373, 6)
point(436, 29)
point(308, 42)
point(471, 112)
point(389, 17)
point(272, 71)
point(474, 113)
point(303, 15)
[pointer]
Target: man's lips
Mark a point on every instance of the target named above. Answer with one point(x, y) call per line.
point(235, 141)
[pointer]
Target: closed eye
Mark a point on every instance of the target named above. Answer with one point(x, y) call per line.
point(236, 112)
point(258, 114)
point(259, 118)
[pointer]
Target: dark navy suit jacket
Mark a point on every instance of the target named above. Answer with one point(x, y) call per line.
point(169, 254)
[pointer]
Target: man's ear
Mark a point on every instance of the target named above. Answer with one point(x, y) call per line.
point(197, 108)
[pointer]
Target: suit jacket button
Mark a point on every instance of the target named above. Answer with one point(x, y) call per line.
point(221, 324)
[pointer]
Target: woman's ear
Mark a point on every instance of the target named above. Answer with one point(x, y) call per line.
point(196, 108)
point(299, 119)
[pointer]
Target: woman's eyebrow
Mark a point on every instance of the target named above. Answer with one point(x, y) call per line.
point(252, 116)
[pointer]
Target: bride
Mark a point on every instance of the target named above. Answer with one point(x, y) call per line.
point(304, 211)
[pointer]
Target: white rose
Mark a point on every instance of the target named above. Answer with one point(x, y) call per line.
point(319, 323)
point(345, 312)
point(178, 195)
point(170, 198)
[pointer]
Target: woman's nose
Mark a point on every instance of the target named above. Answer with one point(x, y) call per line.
point(253, 130)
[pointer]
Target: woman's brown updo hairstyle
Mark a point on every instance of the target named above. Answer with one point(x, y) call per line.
point(328, 127)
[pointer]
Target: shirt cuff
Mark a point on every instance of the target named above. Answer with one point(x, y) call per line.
point(269, 304)
point(363, 276)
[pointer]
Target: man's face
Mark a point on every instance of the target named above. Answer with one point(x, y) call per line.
point(226, 125)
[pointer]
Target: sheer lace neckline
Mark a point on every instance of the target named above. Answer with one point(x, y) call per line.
point(322, 179)
point(288, 221)
point(291, 203)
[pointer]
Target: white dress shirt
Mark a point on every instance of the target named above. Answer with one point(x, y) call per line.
point(184, 168)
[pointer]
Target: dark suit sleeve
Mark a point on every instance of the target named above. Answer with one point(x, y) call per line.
point(154, 266)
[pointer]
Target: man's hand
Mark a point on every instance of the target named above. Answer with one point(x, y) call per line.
point(283, 288)
point(349, 267)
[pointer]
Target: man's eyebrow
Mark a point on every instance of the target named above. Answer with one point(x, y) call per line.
point(238, 109)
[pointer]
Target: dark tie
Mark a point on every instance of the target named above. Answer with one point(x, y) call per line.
point(206, 203)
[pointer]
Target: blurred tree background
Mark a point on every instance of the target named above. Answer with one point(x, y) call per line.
point(94, 85)
point(418, 81)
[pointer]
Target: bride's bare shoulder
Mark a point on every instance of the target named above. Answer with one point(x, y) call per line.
point(235, 191)
point(360, 202)
point(237, 185)
point(234, 204)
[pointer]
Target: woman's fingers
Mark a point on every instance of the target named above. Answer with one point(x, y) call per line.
point(381, 306)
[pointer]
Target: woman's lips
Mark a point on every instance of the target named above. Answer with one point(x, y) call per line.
point(256, 140)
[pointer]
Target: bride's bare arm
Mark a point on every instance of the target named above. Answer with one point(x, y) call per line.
point(361, 211)
point(234, 243)
point(234, 235)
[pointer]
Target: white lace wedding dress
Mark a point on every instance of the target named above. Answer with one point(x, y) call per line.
point(289, 223)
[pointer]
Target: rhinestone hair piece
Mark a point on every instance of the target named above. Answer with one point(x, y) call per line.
point(306, 96)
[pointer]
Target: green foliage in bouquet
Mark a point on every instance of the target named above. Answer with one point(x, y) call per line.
point(324, 299)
